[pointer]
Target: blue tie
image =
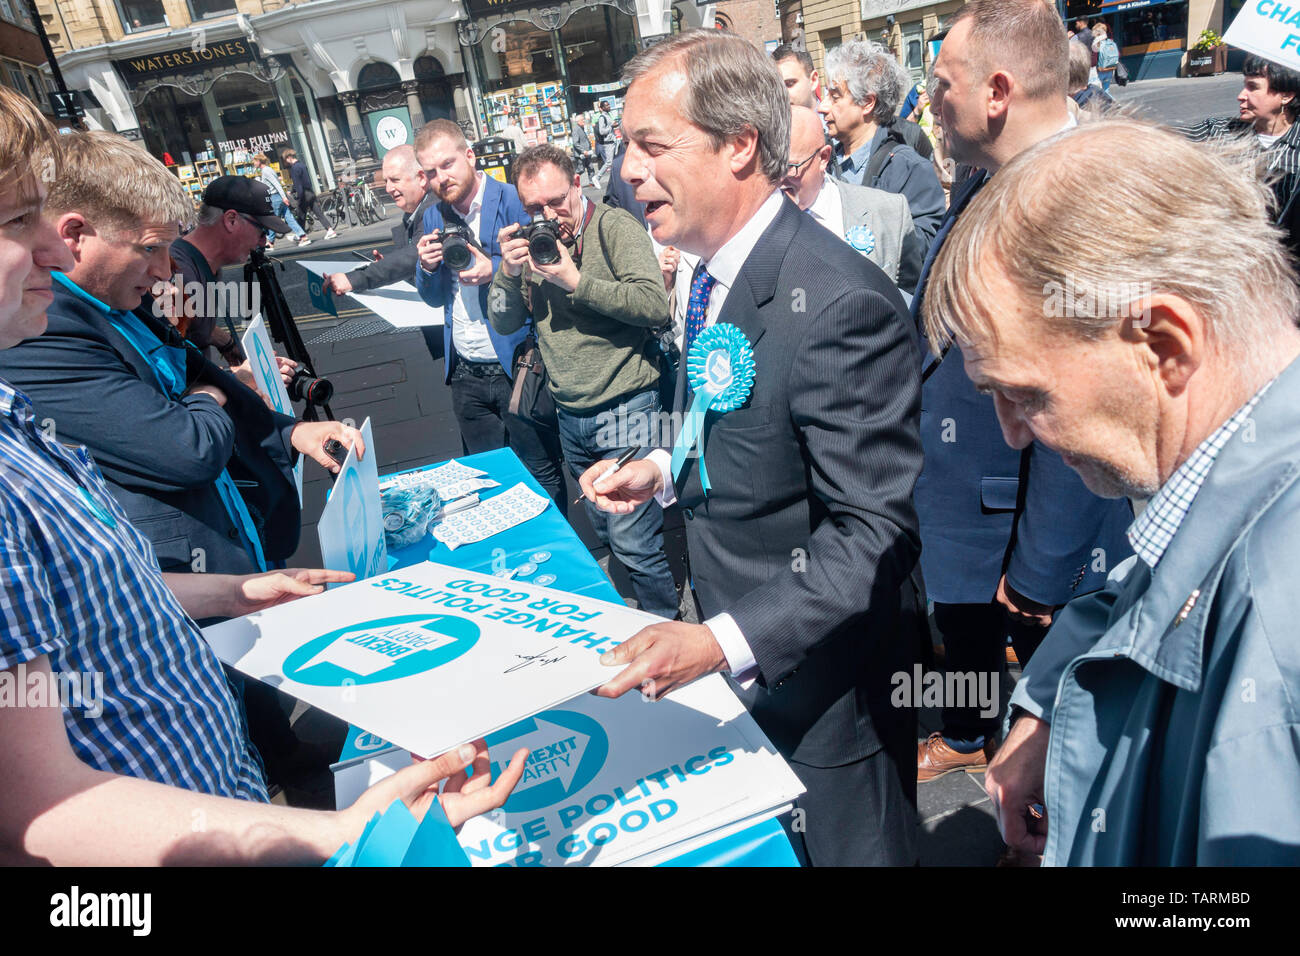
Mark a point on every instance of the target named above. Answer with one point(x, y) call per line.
point(697, 310)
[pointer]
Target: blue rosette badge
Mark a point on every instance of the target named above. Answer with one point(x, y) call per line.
point(720, 369)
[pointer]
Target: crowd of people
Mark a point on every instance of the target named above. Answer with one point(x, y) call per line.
point(972, 426)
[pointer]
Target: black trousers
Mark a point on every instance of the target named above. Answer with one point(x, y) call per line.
point(482, 403)
point(308, 201)
point(974, 642)
point(859, 814)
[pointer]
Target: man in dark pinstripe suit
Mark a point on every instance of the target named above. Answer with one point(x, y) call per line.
point(801, 549)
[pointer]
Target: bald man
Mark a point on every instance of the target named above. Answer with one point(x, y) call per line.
point(876, 223)
point(406, 184)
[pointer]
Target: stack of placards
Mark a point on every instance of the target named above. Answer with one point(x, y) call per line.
point(429, 657)
point(351, 525)
point(617, 782)
point(256, 344)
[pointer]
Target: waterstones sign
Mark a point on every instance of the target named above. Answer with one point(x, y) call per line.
point(191, 59)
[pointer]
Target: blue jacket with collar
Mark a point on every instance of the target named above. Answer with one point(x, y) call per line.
point(970, 497)
point(501, 206)
point(1173, 695)
point(161, 458)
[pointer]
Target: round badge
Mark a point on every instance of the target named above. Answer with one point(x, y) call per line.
point(525, 569)
point(539, 557)
point(544, 580)
point(862, 239)
point(393, 521)
point(506, 573)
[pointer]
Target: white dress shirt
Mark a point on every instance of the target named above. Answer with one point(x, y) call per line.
point(470, 336)
point(827, 208)
point(725, 266)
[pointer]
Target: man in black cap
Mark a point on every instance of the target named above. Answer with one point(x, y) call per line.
point(232, 222)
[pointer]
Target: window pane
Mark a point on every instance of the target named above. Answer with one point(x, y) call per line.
point(209, 8)
point(914, 55)
point(7, 10)
point(140, 14)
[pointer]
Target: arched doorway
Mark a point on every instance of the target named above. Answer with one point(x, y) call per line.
point(433, 90)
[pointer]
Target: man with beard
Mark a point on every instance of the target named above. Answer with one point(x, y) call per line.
point(478, 360)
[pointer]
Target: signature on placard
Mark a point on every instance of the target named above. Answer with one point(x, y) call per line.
point(540, 659)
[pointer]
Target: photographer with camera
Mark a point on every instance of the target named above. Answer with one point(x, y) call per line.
point(458, 253)
point(588, 275)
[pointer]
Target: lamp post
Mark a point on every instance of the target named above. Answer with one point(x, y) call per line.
point(65, 97)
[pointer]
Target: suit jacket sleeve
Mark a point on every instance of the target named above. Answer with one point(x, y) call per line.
point(1062, 524)
point(140, 437)
point(397, 266)
point(1076, 629)
point(855, 400)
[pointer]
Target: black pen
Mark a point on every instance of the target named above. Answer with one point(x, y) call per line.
point(623, 459)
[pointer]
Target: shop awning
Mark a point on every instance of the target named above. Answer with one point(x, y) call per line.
point(1118, 6)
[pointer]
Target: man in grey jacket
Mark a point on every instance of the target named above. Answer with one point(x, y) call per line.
point(408, 187)
point(1161, 365)
point(872, 221)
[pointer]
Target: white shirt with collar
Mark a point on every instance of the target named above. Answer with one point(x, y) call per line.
point(470, 336)
point(725, 267)
point(827, 208)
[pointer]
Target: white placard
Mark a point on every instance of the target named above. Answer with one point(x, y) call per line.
point(429, 656)
point(351, 526)
point(1268, 29)
point(256, 344)
point(398, 304)
point(611, 782)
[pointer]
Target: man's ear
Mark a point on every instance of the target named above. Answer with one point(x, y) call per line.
point(73, 229)
point(1172, 335)
point(999, 89)
point(744, 149)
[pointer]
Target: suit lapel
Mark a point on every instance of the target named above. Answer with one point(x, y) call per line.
point(487, 215)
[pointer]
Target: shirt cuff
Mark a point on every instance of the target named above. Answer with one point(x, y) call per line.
point(740, 659)
point(665, 462)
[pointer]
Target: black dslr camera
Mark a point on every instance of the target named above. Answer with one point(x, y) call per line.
point(456, 242)
point(543, 237)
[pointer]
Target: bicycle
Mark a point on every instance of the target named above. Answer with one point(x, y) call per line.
point(368, 207)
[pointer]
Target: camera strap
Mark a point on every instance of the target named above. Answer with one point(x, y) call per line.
point(582, 234)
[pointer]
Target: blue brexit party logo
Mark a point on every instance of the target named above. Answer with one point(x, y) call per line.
point(385, 649)
point(565, 752)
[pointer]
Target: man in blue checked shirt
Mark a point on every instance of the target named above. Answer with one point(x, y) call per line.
point(146, 773)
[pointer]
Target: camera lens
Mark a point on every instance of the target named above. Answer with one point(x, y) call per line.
point(543, 247)
point(304, 387)
point(456, 254)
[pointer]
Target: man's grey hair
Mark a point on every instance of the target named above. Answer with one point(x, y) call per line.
point(208, 216)
point(1192, 220)
point(731, 86)
point(1080, 66)
point(868, 70)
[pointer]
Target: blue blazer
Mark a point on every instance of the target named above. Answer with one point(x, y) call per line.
point(970, 501)
point(501, 206)
point(161, 458)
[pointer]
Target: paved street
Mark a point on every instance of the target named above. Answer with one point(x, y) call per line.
point(397, 381)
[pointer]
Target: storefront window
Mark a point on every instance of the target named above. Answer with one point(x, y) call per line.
point(597, 42)
point(514, 53)
point(1157, 22)
point(141, 14)
point(376, 76)
point(210, 8)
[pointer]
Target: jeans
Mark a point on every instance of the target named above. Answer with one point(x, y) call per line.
point(636, 539)
point(481, 403)
point(281, 208)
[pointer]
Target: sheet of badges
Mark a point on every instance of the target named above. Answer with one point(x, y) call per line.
point(507, 510)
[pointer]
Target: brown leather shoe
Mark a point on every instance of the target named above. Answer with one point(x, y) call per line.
point(934, 758)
